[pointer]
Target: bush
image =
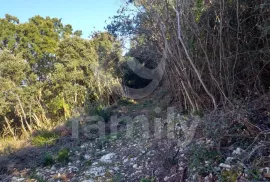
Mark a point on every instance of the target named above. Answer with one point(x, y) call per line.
point(203, 159)
point(98, 109)
point(48, 160)
point(45, 138)
point(63, 155)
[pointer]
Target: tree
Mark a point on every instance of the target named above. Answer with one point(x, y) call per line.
point(78, 33)
point(47, 71)
point(36, 40)
point(13, 76)
point(12, 19)
point(109, 51)
point(72, 74)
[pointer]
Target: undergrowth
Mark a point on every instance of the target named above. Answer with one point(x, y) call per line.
point(45, 138)
point(63, 155)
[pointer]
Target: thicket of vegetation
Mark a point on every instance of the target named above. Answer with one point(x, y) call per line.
point(216, 51)
point(48, 72)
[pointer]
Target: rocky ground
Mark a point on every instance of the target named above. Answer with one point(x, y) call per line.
point(113, 157)
point(147, 157)
point(132, 161)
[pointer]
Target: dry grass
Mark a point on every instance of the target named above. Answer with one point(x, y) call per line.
point(10, 144)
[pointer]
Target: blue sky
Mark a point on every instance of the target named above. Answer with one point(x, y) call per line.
point(81, 14)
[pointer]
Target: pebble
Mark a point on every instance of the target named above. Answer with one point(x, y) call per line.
point(166, 178)
point(225, 166)
point(107, 158)
point(15, 179)
point(125, 161)
point(238, 151)
point(229, 160)
point(53, 168)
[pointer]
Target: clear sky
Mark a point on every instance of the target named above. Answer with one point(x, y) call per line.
point(81, 14)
